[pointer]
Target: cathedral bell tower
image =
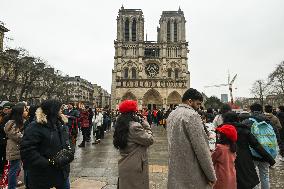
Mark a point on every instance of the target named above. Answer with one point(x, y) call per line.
point(130, 25)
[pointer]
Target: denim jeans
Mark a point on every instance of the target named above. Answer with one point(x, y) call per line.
point(67, 184)
point(15, 166)
point(263, 173)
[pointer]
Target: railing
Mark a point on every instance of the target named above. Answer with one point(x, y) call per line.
point(151, 83)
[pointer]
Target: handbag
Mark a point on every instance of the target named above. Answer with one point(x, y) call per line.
point(65, 155)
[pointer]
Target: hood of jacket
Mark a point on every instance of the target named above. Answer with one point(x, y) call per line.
point(41, 117)
point(259, 116)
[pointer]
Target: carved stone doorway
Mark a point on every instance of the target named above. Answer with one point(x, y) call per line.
point(174, 99)
point(152, 99)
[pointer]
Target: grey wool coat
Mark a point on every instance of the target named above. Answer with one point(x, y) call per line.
point(133, 168)
point(190, 163)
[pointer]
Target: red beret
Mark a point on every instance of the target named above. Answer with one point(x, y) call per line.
point(128, 106)
point(229, 131)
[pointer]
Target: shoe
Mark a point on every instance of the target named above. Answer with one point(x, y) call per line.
point(281, 158)
point(82, 145)
point(19, 183)
point(96, 142)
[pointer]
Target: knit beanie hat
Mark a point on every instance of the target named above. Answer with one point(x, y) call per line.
point(229, 131)
point(128, 106)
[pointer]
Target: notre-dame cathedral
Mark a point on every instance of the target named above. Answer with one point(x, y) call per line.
point(155, 73)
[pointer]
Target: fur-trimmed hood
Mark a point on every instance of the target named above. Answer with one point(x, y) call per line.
point(41, 117)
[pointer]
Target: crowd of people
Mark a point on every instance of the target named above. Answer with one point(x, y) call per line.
point(34, 138)
point(245, 145)
point(245, 148)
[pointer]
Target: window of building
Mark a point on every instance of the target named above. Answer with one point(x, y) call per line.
point(134, 30)
point(176, 73)
point(125, 73)
point(175, 31)
point(152, 52)
point(133, 73)
point(169, 31)
point(169, 73)
point(126, 30)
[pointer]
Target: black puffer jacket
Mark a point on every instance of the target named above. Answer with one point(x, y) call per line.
point(42, 141)
point(246, 174)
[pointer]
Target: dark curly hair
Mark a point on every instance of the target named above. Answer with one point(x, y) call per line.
point(256, 107)
point(192, 94)
point(120, 136)
point(17, 115)
point(224, 140)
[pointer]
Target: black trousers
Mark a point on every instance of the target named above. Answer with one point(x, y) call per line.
point(85, 132)
point(281, 144)
point(102, 132)
point(2, 157)
point(90, 129)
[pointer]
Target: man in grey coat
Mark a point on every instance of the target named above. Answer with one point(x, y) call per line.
point(190, 163)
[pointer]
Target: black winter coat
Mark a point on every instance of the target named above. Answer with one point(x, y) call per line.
point(42, 141)
point(280, 116)
point(3, 137)
point(246, 173)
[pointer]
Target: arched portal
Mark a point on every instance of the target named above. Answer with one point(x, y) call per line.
point(128, 96)
point(174, 99)
point(152, 99)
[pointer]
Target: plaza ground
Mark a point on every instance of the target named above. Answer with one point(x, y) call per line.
point(95, 166)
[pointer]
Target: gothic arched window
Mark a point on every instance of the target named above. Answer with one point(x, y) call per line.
point(126, 30)
point(169, 73)
point(125, 73)
point(169, 31)
point(134, 30)
point(175, 31)
point(176, 73)
point(133, 71)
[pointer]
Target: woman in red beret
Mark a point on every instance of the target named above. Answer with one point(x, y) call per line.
point(132, 136)
point(224, 157)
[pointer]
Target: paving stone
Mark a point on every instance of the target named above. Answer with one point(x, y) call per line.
point(82, 183)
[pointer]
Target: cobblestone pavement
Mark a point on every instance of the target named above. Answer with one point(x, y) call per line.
point(95, 166)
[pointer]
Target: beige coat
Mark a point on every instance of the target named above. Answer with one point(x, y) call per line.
point(133, 169)
point(13, 143)
point(190, 163)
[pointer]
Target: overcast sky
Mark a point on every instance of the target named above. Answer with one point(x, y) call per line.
point(76, 36)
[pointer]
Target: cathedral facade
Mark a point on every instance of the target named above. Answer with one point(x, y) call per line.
point(155, 73)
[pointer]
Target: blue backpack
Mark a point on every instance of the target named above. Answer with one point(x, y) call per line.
point(266, 136)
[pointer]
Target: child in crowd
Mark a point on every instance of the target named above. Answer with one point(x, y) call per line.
point(224, 157)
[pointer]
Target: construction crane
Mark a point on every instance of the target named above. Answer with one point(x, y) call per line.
point(230, 84)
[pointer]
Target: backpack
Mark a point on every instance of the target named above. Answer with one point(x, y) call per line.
point(266, 136)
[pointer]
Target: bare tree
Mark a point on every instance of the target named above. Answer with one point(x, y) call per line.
point(260, 90)
point(276, 79)
point(23, 77)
